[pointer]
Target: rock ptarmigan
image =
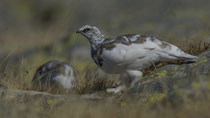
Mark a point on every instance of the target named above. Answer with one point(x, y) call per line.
point(58, 74)
point(129, 54)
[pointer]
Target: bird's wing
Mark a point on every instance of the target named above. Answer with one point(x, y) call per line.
point(132, 47)
point(127, 48)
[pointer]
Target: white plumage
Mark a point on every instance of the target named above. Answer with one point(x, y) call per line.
point(129, 54)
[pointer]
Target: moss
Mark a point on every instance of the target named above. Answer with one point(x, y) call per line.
point(195, 85)
point(173, 73)
point(152, 75)
point(179, 92)
point(41, 108)
point(49, 101)
point(208, 85)
point(123, 104)
point(195, 59)
point(153, 98)
point(161, 73)
point(202, 61)
point(58, 48)
point(182, 68)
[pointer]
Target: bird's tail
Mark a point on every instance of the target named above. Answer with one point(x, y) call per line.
point(188, 56)
point(174, 51)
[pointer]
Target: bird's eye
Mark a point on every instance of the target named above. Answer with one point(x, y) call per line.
point(86, 30)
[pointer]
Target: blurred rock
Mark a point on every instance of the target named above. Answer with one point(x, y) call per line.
point(178, 80)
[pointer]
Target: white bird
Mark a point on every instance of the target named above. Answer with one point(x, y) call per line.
point(54, 73)
point(129, 54)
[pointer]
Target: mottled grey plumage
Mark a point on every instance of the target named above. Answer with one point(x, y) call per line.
point(56, 74)
point(129, 54)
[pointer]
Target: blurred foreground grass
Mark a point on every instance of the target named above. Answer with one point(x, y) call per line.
point(198, 107)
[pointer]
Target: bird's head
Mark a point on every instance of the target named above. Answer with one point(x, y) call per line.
point(91, 33)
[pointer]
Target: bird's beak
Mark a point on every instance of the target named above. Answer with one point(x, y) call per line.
point(78, 31)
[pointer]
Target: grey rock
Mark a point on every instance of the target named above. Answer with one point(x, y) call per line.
point(171, 78)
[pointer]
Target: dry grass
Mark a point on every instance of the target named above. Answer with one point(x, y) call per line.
point(94, 80)
point(197, 48)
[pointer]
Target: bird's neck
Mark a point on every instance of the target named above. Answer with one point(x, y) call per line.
point(96, 41)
